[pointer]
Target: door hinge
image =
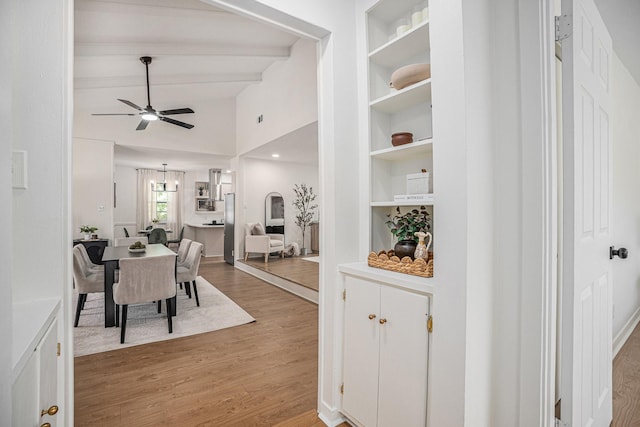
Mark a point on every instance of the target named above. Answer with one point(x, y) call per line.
point(58, 349)
point(429, 323)
point(342, 388)
point(344, 295)
point(563, 27)
point(560, 423)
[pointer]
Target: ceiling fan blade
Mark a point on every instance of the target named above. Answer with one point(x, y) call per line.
point(176, 122)
point(177, 111)
point(131, 104)
point(142, 125)
point(113, 114)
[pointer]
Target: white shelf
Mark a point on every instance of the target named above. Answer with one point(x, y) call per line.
point(409, 44)
point(406, 151)
point(402, 99)
point(391, 203)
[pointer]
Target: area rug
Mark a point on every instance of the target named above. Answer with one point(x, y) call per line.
point(312, 259)
point(145, 325)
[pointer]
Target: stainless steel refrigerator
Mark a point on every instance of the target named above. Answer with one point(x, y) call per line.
point(229, 221)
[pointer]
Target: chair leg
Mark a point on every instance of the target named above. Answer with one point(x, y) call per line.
point(124, 323)
point(169, 320)
point(180, 285)
point(246, 255)
point(266, 257)
point(117, 315)
point(159, 306)
point(195, 291)
point(282, 254)
point(79, 306)
point(187, 287)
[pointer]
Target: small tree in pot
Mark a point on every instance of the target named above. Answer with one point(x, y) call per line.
point(303, 203)
point(403, 227)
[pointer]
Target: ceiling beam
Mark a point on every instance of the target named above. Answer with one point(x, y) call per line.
point(182, 80)
point(149, 7)
point(137, 49)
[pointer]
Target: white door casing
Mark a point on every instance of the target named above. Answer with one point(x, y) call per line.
point(587, 289)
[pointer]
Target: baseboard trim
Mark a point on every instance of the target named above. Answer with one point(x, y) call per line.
point(294, 288)
point(331, 417)
point(625, 332)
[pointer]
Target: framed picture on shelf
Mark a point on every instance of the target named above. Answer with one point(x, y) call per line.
point(203, 205)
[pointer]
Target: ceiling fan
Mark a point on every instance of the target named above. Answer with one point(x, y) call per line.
point(148, 114)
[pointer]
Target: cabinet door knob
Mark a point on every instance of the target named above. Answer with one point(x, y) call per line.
point(383, 321)
point(46, 425)
point(51, 411)
point(372, 316)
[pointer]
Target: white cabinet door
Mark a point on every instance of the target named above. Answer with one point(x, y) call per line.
point(404, 337)
point(361, 333)
point(385, 355)
point(35, 389)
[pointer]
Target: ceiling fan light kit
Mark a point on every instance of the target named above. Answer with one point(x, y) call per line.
point(149, 113)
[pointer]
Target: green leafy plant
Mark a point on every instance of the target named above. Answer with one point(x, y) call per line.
point(303, 202)
point(155, 220)
point(403, 226)
point(88, 229)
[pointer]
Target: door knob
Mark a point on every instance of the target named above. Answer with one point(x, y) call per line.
point(622, 252)
point(51, 411)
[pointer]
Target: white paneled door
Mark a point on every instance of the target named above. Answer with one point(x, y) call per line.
point(587, 306)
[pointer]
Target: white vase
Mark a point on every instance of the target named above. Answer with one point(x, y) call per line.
point(87, 236)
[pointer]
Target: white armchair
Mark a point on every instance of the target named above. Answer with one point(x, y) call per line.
point(257, 241)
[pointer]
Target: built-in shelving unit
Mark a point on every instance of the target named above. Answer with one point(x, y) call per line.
point(392, 111)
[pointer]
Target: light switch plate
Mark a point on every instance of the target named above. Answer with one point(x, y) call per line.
point(19, 169)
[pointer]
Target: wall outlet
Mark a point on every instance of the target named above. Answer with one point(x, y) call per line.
point(19, 169)
point(260, 119)
point(100, 208)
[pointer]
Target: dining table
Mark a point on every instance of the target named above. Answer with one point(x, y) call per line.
point(147, 232)
point(111, 258)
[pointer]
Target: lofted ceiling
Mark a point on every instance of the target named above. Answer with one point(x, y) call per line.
point(203, 57)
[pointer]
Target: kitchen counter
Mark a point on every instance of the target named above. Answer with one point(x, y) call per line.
point(210, 235)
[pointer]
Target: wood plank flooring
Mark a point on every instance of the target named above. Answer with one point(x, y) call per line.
point(294, 269)
point(626, 383)
point(259, 374)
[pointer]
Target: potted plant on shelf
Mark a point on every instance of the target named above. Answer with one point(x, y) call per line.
point(404, 226)
point(303, 203)
point(88, 230)
point(155, 222)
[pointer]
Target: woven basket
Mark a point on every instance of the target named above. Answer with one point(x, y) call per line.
point(388, 261)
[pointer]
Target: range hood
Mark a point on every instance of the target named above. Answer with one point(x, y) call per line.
point(215, 185)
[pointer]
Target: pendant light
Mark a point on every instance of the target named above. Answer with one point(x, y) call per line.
point(161, 187)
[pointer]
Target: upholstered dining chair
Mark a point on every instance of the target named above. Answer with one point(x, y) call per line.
point(128, 241)
point(178, 240)
point(91, 266)
point(188, 271)
point(158, 235)
point(145, 280)
point(182, 250)
point(257, 241)
point(87, 281)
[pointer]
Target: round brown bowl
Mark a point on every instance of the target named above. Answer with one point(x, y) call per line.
point(401, 138)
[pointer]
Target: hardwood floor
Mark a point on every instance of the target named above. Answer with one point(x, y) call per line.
point(259, 374)
point(294, 269)
point(626, 383)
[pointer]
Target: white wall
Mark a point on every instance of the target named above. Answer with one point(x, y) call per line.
point(93, 186)
point(39, 73)
point(262, 177)
point(6, 128)
point(124, 214)
point(626, 199)
point(286, 98)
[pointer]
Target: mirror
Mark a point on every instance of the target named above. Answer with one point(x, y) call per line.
point(274, 213)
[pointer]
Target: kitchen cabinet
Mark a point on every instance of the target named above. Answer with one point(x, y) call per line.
point(385, 354)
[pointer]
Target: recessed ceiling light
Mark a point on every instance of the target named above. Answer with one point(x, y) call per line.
point(228, 170)
point(275, 155)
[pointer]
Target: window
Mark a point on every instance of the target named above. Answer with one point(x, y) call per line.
point(162, 199)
